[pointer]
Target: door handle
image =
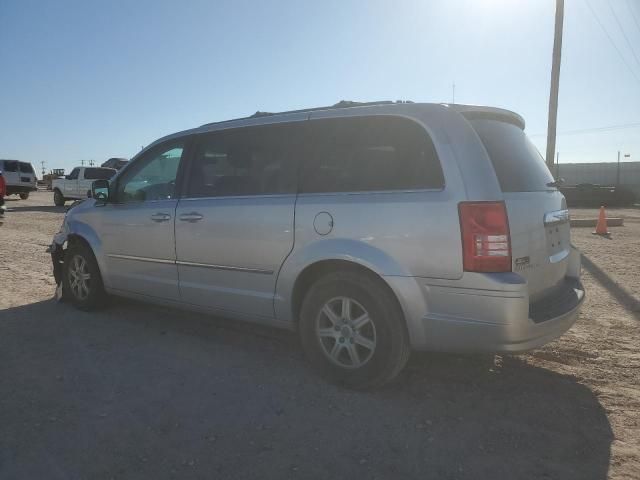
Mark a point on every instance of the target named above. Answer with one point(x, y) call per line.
point(191, 217)
point(160, 217)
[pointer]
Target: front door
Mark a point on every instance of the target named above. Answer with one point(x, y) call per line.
point(138, 227)
point(234, 225)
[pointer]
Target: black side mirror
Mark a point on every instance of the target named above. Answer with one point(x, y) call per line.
point(100, 191)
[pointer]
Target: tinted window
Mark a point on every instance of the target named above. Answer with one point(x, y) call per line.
point(369, 154)
point(74, 174)
point(151, 177)
point(26, 167)
point(98, 173)
point(248, 161)
point(518, 164)
point(10, 166)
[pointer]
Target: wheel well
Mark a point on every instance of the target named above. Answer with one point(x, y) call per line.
point(56, 189)
point(316, 270)
point(75, 239)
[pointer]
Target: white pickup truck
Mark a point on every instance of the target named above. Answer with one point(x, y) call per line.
point(77, 185)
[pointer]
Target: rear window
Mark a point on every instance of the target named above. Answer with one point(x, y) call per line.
point(26, 167)
point(98, 173)
point(518, 164)
point(361, 154)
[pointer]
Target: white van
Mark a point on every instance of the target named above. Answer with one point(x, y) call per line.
point(20, 177)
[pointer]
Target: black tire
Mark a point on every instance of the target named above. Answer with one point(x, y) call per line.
point(389, 332)
point(91, 297)
point(58, 198)
point(24, 196)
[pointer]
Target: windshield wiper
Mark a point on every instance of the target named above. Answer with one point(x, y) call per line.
point(556, 183)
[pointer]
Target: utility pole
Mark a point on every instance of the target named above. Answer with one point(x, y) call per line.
point(43, 169)
point(557, 165)
point(618, 170)
point(555, 83)
point(453, 87)
point(82, 163)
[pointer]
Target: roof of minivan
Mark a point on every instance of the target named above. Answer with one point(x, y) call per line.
point(468, 111)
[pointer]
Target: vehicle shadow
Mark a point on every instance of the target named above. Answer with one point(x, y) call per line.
point(35, 208)
point(624, 298)
point(157, 393)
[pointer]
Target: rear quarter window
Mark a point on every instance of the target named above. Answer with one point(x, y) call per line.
point(366, 154)
point(517, 163)
point(10, 166)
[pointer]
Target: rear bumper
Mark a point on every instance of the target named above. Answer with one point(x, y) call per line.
point(14, 189)
point(486, 312)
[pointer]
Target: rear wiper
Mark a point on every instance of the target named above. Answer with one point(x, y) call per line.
point(556, 183)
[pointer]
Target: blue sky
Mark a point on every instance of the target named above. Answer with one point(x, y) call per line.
point(92, 80)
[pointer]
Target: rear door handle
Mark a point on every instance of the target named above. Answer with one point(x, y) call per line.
point(191, 217)
point(160, 217)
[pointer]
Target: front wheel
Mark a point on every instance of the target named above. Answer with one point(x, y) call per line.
point(24, 196)
point(82, 282)
point(58, 198)
point(352, 330)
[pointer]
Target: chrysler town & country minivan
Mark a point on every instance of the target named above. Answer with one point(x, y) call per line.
point(372, 229)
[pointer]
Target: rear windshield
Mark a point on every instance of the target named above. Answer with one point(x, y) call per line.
point(518, 164)
point(26, 167)
point(98, 173)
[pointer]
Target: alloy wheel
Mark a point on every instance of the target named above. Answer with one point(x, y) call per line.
point(346, 333)
point(79, 277)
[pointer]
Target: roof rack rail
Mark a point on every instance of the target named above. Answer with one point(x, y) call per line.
point(340, 104)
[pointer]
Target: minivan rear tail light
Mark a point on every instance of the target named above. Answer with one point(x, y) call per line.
point(486, 242)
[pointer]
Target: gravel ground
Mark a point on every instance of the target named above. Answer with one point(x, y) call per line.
point(145, 392)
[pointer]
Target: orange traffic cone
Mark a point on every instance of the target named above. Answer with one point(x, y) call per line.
point(601, 226)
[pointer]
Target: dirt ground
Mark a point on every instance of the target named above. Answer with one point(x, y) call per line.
point(143, 392)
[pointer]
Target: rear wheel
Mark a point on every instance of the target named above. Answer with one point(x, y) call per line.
point(352, 330)
point(82, 282)
point(58, 198)
point(24, 196)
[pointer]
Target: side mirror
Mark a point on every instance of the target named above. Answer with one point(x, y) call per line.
point(100, 191)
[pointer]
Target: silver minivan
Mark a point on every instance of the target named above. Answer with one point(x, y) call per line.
point(371, 229)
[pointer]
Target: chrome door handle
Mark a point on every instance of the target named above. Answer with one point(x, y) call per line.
point(191, 217)
point(160, 217)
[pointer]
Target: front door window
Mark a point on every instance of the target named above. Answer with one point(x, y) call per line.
point(152, 178)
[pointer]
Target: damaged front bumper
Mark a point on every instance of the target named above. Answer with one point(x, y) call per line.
point(56, 249)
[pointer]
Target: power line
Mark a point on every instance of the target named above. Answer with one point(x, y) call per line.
point(593, 129)
point(633, 52)
point(612, 42)
point(633, 15)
